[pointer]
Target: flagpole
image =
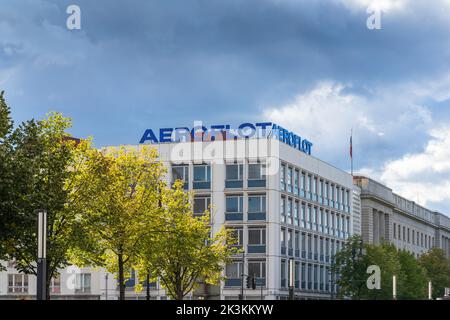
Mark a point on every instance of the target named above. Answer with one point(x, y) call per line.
point(351, 150)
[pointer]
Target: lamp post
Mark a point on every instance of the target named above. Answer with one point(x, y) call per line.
point(241, 295)
point(430, 290)
point(394, 287)
point(291, 279)
point(106, 286)
point(41, 292)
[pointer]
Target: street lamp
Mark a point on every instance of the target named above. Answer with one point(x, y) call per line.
point(41, 293)
point(291, 279)
point(394, 287)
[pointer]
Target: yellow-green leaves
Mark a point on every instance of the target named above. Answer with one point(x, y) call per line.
point(116, 191)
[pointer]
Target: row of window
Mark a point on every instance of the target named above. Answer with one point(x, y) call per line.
point(315, 218)
point(308, 276)
point(255, 268)
point(312, 187)
point(233, 175)
point(308, 246)
point(18, 283)
point(415, 237)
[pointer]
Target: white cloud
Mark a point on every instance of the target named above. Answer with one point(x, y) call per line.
point(424, 176)
point(383, 5)
point(391, 119)
point(327, 113)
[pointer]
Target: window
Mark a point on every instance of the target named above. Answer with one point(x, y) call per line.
point(308, 186)
point(309, 217)
point(201, 204)
point(296, 208)
point(283, 273)
point(233, 270)
point(283, 209)
point(302, 184)
point(303, 215)
point(327, 222)
point(257, 269)
point(326, 193)
point(257, 236)
point(332, 196)
point(283, 177)
point(234, 172)
point(55, 284)
point(289, 179)
point(290, 242)
point(297, 242)
point(234, 204)
point(320, 191)
point(303, 276)
point(303, 245)
point(257, 203)
point(395, 230)
point(238, 235)
point(314, 218)
point(256, 175)
point(321, 220)
point(180, 173)
point(283, 238)
point(17, 283)
point(296, 181)
point(202, 173)
point(83, 283)
point(289, 211)
point(234, 207)
point(314, 188)
point(256, 171)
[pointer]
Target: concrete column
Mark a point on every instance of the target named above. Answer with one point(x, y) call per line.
point(376, 227)
point(367, 224)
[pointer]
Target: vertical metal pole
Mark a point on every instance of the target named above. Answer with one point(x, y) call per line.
point(430, 290)
point(106, 286)
point(41, 293)
point(241, 295)
point(394, 287)
point(291, 279)
point(148, 286)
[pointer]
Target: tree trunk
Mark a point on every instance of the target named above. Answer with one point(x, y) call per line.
point(179, 292)
point(121, 279)
point(148, 286)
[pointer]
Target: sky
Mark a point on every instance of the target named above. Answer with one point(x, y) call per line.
point(311, 66)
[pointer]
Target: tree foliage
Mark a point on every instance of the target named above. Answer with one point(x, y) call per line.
point(36, 159)
point(437, 267)
point(115, 193)
point(183, 251)
point(352, 261)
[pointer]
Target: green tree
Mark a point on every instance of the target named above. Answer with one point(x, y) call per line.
point(414, 281)
point(6, 181)
point(116, 195)
point(39, 158)
point(184, 251)
point(385, 257)
point(437, 267)
point(350, 265)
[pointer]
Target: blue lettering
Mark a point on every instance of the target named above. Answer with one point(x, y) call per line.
point(149, 135)
point(165, 135)
point(243, 126)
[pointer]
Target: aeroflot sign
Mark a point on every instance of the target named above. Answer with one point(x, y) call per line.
point(225, 132)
